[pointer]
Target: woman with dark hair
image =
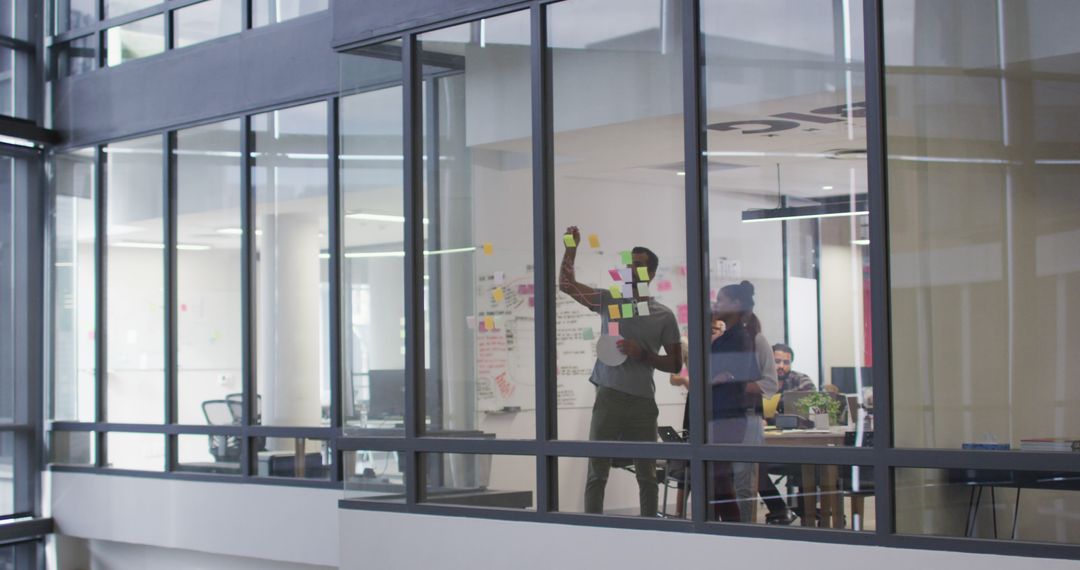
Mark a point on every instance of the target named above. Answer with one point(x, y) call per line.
point(741, 372)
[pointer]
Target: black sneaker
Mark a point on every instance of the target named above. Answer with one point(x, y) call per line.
point(782, 518)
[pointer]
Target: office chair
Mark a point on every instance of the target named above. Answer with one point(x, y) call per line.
point(236, 407)
point(221, 447)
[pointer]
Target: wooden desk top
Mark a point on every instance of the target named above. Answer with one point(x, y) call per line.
point(803, 438)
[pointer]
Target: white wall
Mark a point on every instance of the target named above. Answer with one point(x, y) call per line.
point(78, 554)
point(390, 540)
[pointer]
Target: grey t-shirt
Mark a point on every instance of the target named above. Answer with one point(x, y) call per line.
point(659, 328)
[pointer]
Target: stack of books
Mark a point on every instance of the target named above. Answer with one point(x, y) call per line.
point(1050, 444)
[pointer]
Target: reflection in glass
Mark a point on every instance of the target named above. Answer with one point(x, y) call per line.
point(623, 487)
point(141, 38)
point(209, 297)
point(372, 265)
point(984, 222)
point(73, 14)
point(7, 290)
point(206, 21)
point(265, 12)
point(72, 447)
point(474, 480)
point(374, 476)
point(291, 281)
point(983, 503)
point(135, 284)
point(299, 457)
point(114, 8)
point(7, 471)
point(137, 451)
point(75, 57)
point(478, 229)
point(213, 453)
point(74, 329)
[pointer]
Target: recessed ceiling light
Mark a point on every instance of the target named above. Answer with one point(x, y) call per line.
point(826, 187)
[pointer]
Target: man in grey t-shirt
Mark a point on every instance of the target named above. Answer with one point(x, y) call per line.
point(625, 407)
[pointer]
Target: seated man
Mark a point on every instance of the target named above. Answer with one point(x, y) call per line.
point(790, 379)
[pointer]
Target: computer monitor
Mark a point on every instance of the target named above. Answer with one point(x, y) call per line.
point(386, 395)
point(843, 377)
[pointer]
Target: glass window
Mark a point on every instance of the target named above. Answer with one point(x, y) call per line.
point(984, 223)
point(71, 447)
point(295, 457)
point(1032, 506)
point(15, 84)
point(141, 38)
point(619, 217)
point(374, 476)
point(788, 264)
point(135, 289)
point(114, 8)
point(73, 14)
point(75, 57)
point(206, 21)
point(626, 487)
point(7, 473)
point(208, 260)
point(137, 451)
point(372, 297)
point(478, 229)
point(479, 480)
point(74, 328)
point(291, 267)
point(7, 290)
point(265, 12)
point(213, 453)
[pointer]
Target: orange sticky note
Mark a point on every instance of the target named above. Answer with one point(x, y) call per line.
point(497, 294)
point(613, 312)
point(594, 241)
point(643, 273)
point(489, 324)
point(487, 248)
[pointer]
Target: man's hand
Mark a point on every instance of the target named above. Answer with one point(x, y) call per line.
point(576, 233)
point(631, 348)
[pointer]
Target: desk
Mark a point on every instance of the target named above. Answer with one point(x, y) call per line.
point(978, 479)
point(832, 507)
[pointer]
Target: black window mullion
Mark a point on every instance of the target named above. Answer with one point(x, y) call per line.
point(248, 292)
point(414, 260)
point(333, 145)
point(879, 263)
point(543, 259)
point(168, 179)
point(100, 279)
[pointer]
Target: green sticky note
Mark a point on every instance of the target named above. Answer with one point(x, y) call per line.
point(587, 334)
point(643, 273)
point(627, 259)
point(628, 310)
point(568, 239)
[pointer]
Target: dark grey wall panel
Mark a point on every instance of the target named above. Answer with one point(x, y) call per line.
point(359, 20)
point(258, 69)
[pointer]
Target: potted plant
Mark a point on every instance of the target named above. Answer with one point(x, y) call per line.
point(821, 407)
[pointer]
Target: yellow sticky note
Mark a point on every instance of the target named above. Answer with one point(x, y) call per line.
point(497, 294)
point(628, 310)
point(487, 248)
point(613, 311)
point(568, 239)
point(643, 273)
point(489, 324)
point(615, 291)
point(594, 241)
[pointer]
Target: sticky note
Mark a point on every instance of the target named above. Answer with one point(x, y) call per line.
point(643, 273)
point(684, 314)
point(643, 290)
point(532, 301)
point(627, 290)
point(587, 334)
point(614, 273)
point(568, 239)
point(664, 285)
point(613, 329)
point(499, 277)
point(489, 324)
point(497, 294)
point(594, 241)
point(624, 275)
point(627, 259)
point(487, 248)
point(470, 322)
point(616, 291)
point(613, 311)
point(628, 310)
point(643, 309)
point(682, 270)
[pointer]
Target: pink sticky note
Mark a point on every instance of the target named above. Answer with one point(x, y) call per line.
point(532, 301)
point(613, 329)
point(682, 270)
point(614, 273)
point(684, 314)
point(664, 285)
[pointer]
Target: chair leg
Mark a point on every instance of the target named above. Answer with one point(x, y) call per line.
point(857, 512)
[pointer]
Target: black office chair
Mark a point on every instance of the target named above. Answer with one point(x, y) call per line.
point(236, 406)
point(221, 413)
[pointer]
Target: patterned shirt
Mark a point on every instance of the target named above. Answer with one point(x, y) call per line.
point(797, 382)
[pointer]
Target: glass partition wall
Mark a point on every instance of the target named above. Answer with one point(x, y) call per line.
point(713, 264)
